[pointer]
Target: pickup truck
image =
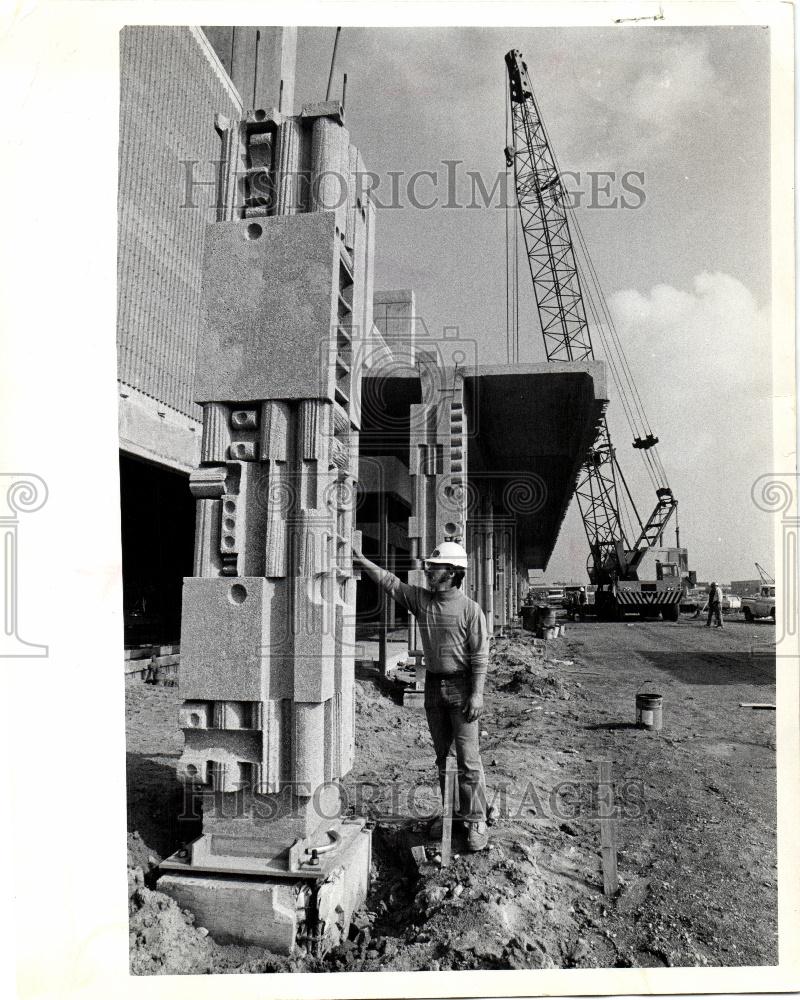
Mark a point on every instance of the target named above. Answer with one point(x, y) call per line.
point(761, 605)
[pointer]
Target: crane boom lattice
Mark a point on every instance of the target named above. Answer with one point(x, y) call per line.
point(544, 212)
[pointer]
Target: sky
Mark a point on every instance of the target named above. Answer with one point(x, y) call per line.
point(681, 118)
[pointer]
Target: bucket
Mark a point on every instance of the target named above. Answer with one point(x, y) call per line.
point(648, 711)
point(547, 616)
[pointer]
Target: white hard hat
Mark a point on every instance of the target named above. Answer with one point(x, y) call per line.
point(449, 554)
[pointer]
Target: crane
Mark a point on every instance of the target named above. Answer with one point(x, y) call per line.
point(765, 577)
point(616, 567)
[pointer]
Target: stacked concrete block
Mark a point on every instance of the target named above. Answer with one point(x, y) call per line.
point(266, 669)
point(267, 656)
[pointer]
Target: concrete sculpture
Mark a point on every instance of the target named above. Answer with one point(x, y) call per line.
point(267, 640)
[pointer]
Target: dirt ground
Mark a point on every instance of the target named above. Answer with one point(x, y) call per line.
point(696, 808)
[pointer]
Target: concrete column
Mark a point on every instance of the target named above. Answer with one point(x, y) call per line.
point(329, 169)
point(488, 577)
point(391, 565)
point(267, 646)
point(383, 560)
point(414, 578)
point(287, 169)
point(499, 581)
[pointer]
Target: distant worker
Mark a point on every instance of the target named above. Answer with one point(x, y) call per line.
point(714, 604)
point(455, 641)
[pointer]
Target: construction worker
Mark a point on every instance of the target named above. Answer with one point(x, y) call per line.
point(455, 642)
point(714, 605)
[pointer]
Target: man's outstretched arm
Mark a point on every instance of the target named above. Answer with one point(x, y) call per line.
point(394, 587)
point(373, 571)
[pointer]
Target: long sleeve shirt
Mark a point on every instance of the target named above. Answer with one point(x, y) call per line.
point(452, 627)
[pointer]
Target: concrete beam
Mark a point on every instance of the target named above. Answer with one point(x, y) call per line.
point(151, 430)
point(384, 474)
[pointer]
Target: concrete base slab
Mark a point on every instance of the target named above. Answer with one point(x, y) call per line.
point(342, 892)
point(242, 911)
point(278, 913)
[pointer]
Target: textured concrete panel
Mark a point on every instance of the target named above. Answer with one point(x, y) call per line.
point(269, 295)
point(279, 820)
point(224, 635)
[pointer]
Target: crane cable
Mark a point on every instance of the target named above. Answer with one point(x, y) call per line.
point(652, 462)
point(605, 321)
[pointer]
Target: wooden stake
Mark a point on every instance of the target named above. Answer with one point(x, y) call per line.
point(608, 829)
point(447, 812)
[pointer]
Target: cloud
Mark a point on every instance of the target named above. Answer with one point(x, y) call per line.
point(701, 360)
point(681, 81)
point(627, 108)
point(718, 325)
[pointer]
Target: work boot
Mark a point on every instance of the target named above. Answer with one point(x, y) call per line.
point(477, 836)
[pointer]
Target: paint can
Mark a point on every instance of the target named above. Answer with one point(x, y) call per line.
point(649, 711)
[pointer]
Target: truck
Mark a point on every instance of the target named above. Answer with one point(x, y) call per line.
point(760, 605)
point(655, 581)
point(695, 599)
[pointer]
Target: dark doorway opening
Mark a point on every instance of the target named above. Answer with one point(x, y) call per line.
point(157, 549)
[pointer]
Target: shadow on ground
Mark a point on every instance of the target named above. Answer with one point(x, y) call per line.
point(717, 668)
point(158, 809)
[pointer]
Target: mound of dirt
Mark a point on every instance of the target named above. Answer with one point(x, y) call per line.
point(163, 938)
point(517, 669)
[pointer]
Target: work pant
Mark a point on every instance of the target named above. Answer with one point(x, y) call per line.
point(714, 610)
point(445, 697)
